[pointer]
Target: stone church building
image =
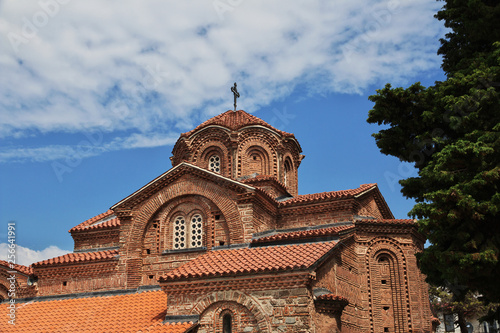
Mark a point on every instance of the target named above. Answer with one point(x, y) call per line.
point(222, 242)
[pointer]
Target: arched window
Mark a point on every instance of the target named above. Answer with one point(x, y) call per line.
point(227, 323)
point(288, 172)
point(179, 233)
point(188, 235)
point(214, 163)
point(196, 231)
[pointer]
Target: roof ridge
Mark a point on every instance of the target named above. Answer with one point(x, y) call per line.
point(303, 198)
point(90, 294)
point(311, 233)
point(27, 270)
point(91, 220)
point(263, 178)
point(78, 257)
point(386, 221)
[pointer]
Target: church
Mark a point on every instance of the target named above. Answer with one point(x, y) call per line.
point(223, 242)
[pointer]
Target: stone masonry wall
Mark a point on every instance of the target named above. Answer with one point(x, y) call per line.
point(278, 310)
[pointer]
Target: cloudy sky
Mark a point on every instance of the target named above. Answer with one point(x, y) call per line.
point(93, 94)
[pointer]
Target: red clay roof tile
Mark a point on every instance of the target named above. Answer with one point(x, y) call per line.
point(28, 270)
point(139, 312)
point(251, 260)
point(332, 297)
point(234, 120)
point(262, 179)
point(303, 234)
point(94, 222)
point(79, 257)
point(344, 194)
point(385, 221)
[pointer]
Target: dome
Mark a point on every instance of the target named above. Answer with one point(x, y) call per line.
point(237, 144)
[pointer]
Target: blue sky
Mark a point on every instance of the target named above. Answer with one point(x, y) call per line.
point(94, 94)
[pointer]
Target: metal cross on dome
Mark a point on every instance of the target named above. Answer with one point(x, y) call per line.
point(236, 94)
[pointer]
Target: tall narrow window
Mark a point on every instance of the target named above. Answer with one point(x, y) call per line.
point(196, 231)
point(214, 163)
point(288, 173)
point(227, 323)
point(179, 233)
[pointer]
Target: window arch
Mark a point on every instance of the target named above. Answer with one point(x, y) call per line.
point(188, 233)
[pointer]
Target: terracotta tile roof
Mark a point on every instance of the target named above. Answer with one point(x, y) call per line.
point(234, 121)
point(79, 257)
point(259, 178)
point(332, 297)
point(386, 221)
point(28, 270)
point(251, 260)
point(302, 234)
point(94, 223)
point(263, 178)
point(138, 312)
point(308, 198)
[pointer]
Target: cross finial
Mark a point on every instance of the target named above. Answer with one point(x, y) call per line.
point(236, 94)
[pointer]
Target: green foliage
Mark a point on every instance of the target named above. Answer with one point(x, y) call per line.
point(467, 305)
point(474, 28)
point(451, 132)
point(470, 305)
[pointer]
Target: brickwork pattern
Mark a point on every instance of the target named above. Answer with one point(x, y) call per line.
point(278, 310)
point(364, 267)
point(245, 144)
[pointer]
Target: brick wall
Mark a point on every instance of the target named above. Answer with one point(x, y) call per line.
point(397, 293)
point(66, 279)
point(96, 239)
point(315, 214)
point(341, 275)
point(368, 207)
point(21, 288)
point(249, 150)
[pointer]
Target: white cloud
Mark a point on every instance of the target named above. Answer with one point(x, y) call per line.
point(146, 67)
point(86, 148)
point(26, 256)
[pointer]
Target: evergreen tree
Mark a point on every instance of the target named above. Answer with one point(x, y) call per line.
point(451, 132)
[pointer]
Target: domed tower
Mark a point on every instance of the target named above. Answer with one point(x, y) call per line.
point(240, 146)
